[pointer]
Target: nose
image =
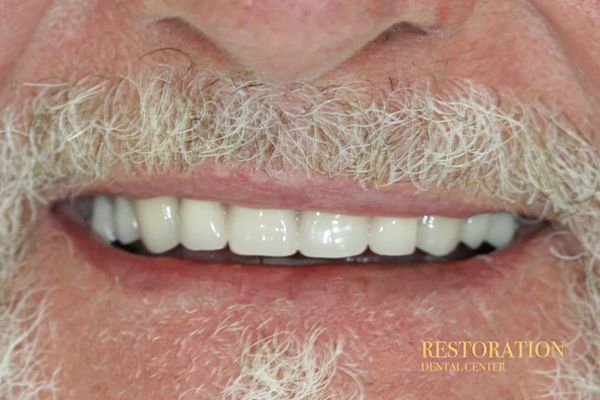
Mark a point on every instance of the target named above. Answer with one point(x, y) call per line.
point(303, 39)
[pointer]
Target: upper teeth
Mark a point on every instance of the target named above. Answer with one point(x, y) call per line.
point(162, 223)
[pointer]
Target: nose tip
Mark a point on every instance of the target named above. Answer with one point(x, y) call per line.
point(303, 39)
point(290, 40)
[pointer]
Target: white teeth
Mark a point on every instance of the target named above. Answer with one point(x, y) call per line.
point(162, 223)
point(102, 218)
point(326, 235)
point(125, 221)
point(502, 229)
point(475, 229)
point(158, 219)
point(438, 235)
point(203, 225)
point(393, 236)
point(262, 232)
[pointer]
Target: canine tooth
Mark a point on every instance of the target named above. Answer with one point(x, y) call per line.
point(264, 232)
point(438, 235)
point(158, 220)
point(474, 230)
point(125, 222)
point(393, 236)
point(203, 225)
point(327, 235)
point(102, 218)
point(502, 229)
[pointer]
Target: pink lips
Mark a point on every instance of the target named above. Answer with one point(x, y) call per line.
point(289, 190)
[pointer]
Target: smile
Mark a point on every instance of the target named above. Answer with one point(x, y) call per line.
point(163, 223)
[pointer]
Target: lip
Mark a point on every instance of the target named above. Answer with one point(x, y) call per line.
point(256, 283)
point(295, 190)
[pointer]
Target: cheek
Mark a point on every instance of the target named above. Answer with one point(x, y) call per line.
point(18, 20)
point(576, 23)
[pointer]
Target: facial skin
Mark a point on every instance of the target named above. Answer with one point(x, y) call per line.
point(105, 325)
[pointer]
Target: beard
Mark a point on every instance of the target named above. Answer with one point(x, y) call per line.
point(61, 138)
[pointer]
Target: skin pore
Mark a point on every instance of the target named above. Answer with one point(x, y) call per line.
point(97, 335)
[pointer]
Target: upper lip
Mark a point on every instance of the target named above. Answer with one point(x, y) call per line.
point(296, 190)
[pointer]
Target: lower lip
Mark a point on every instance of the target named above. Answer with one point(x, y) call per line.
point(256, 283)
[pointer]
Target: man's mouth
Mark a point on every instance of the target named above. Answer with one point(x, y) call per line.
point(238, 217)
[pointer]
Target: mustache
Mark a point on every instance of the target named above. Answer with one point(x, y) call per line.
point(158, 120)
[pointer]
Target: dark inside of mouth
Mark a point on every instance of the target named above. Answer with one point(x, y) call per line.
point(225, 256)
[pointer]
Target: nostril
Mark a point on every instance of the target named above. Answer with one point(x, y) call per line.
point(405, 27)
point(400, 29)
point(431, 16)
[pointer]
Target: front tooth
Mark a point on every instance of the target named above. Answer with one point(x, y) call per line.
point(203, 225)
point(326, 235)
point(158, 220)
point(102, 218)
point(262, 232)
point(393, 236)
point(125, 222)
point(474, 230)
point(438, 235)
point(502, 229)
